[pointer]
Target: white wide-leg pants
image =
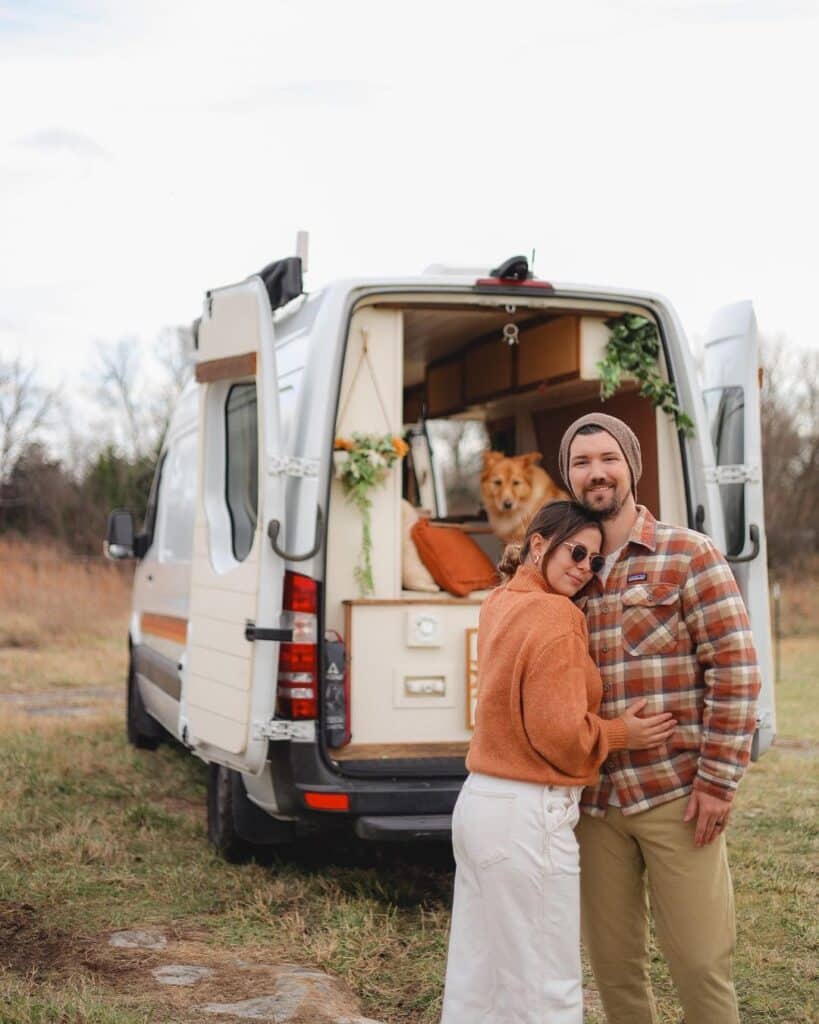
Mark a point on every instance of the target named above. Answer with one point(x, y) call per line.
point(514, 945)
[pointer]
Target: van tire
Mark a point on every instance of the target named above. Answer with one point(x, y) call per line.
point(142, 731)
point(238, 829)
point(221, 822)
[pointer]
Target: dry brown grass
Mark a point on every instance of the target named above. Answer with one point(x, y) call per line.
point(48, 596)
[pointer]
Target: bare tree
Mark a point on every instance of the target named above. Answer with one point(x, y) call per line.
point(119, 389)
point(24, 410)
point(173, 351)
point(790, 448)
point(141, 392)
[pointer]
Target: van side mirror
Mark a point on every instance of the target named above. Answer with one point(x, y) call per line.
point(119, 539)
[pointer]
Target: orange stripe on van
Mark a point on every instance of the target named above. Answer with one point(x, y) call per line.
point(169, 627)
point(227, 368)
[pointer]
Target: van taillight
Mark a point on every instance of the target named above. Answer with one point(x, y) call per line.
point(297, 689)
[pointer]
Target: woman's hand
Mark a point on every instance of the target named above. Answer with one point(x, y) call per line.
point(651, 731)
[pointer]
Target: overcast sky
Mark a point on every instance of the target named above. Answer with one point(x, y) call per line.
point(150, 150)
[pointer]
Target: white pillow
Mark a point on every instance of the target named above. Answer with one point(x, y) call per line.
point(414, 574)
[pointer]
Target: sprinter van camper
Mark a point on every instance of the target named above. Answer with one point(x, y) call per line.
point(317, 708)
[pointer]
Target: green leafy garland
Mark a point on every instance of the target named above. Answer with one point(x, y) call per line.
point(361, 464)
point(634, 348)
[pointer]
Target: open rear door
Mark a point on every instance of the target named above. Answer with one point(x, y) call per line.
point(229, 679)
point(732, 402)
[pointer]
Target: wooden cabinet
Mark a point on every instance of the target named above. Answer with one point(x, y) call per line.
point(488, 370)
point(549, 352)
point(445, 387)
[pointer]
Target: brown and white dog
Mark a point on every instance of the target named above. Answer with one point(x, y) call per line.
point(513, 488)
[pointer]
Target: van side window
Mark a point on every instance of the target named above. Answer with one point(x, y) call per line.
point(149, 524)
point(242, 469)
point(726, 416)
point(177, 501)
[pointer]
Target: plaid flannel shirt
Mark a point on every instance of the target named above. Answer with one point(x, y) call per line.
point(670, 625)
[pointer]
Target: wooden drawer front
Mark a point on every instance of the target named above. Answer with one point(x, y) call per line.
point(488, 369)
point(549, 351)
point(445, 387)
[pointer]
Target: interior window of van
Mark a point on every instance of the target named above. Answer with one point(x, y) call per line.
point(457, 448)
point(726, 416)
point(177, 502)
point(242, 474)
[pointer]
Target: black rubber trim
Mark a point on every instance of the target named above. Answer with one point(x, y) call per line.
point(282, 636)
point(399, 828)
point(158, 669)
point(408, 767)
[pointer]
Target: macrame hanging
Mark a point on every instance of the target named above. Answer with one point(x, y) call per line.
point(362, 463)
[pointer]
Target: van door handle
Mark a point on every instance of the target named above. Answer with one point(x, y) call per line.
point(753, 533)
point(275, 525)
point(254, 632)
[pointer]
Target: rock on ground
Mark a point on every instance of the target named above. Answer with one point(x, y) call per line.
point(299, 994)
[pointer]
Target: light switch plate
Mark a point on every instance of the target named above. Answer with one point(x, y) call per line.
point(424, 628)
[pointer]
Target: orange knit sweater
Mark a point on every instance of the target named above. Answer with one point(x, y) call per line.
point(538, 689)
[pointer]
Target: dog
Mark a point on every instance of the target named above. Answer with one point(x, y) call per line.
point(513, 488)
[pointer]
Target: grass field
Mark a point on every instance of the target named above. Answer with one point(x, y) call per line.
point(95, 837)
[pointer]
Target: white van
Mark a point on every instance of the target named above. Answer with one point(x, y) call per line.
point(316, 707)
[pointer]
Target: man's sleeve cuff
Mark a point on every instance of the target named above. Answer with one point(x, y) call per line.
point(725, 792)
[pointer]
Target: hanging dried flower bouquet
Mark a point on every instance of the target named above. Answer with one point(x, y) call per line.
point(362, 463)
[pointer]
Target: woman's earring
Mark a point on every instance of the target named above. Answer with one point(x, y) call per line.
point(536, 559)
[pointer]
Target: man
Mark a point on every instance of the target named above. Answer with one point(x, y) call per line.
point(667, 623)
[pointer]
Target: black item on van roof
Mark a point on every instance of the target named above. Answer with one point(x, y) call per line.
point(516, 268)
point(283, 280)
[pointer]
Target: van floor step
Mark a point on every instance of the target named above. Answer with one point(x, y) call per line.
point(397, 827)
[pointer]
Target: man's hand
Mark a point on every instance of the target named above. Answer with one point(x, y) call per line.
point(712, 816)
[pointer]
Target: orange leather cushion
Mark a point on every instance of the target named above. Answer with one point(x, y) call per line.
point(454, 560)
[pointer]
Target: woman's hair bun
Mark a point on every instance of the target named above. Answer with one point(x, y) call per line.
point(510, 560)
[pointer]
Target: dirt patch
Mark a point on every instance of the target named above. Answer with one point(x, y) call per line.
point(62, 703)
point(217, 976)
point(27, 948)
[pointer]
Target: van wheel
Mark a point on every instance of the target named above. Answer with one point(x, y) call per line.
point(238, 829)
point(142, 731)
point(221, 825)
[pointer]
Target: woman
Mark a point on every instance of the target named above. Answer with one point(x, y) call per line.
point(514, 951)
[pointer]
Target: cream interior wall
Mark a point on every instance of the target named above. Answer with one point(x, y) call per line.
point(384, 665)
point(669, 466)
point(360, 412)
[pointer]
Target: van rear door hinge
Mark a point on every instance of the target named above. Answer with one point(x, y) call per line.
point(278, 729)
point(292, 465)
point(732, 474)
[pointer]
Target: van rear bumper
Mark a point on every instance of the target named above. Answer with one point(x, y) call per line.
point(299, 768)
point(394, 828)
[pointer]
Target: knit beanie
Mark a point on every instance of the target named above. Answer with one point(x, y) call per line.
point(622, 434)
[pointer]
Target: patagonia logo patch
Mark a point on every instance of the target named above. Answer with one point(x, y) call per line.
point(637, 577)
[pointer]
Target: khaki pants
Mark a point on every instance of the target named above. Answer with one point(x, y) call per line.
point(692, 902)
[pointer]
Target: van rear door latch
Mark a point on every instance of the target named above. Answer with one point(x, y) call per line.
point(254, 632)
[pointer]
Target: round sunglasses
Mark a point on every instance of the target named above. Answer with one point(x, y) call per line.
point(580, 553)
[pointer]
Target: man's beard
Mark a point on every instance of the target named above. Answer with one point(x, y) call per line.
point(610, 509)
